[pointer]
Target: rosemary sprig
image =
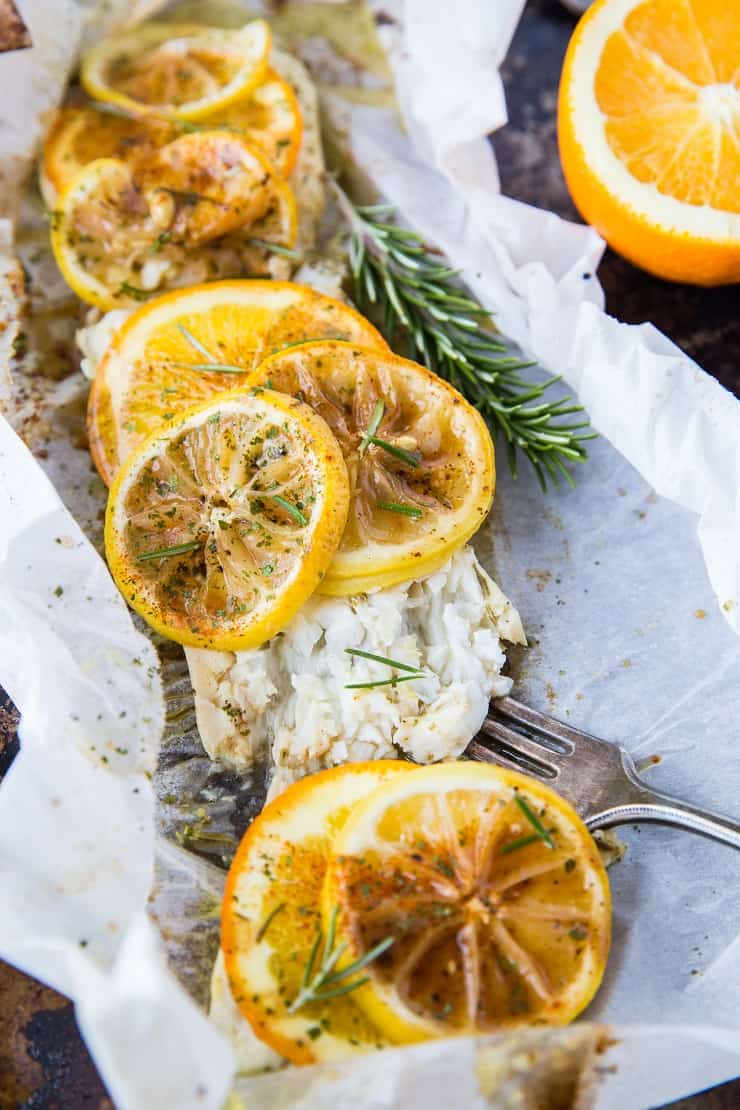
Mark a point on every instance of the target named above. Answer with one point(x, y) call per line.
point(314, 982)
point(166, 552)
point(426, 314)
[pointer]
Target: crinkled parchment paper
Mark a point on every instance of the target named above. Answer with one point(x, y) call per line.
point(628, 587)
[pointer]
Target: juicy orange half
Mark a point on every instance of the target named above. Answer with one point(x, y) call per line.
point(269, 118)
point(649, 133)
point(419, 457)
point(185, 70)
point(272, 915)
point(490, 892)
point(220, 526)
point(154, 368)
point(203, 205)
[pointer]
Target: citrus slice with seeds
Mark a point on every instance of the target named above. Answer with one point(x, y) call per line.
point(493, 892)
point(269, 119)
point(649, 133)
point(183, 70)
point(272, 914)
point(203, 205)
point(419, 457)
point(152, 370)
point(220, 526)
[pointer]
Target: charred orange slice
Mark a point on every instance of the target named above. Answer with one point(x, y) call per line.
point(156, 366)
point(204, 205)
point(186, 71)
point(489, 892)
point(271, 915)
point(419, 457)
point(220, 526)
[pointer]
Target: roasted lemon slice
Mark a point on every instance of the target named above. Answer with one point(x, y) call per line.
point(206, 204)
point(269, 118)
point(219, 527)
point(154, 368)
point(420, 459)
point(271, 915)
point(492, 891)
point(184, 70)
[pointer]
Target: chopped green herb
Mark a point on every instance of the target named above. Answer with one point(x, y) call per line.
point(160, 241)
point(522, 842)
point(578, 933)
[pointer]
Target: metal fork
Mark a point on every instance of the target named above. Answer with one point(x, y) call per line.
point(597, 777)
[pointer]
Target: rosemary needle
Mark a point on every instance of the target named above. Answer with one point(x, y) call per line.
point(373, 426)
point(289, 507)
point(409, 457)
point(534, 821)
point(166, 552)
point(268, 921)
point(383, 659)
point(276, 248)
point(212, 364)
point(402, 510)
point(394, 681)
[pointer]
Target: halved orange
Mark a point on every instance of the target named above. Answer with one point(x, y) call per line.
point(420, 458)
point(489, 890)
point(649, 133)
point(206, 204)
point(182, 70)
point(268, 118)
point(271, 915)
point(152, 371)
point(221, 525)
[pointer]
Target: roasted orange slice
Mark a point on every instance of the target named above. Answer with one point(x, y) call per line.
point(268, 118)
point(157, 365)
point(206, 204)
point(221, 525)
point(271, 916)
point(489, 893)
point(419, 457)
point(182, 70)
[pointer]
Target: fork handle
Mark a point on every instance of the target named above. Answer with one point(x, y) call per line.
point(664, 810)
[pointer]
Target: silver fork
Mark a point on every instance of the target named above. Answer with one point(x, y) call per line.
point(597, 777)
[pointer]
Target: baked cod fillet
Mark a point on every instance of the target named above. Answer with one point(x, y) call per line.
point(288, 702)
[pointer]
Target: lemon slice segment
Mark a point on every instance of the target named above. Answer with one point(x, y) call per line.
point(420, 459)
point(219, 527)
point(269, 118)
point(183, 70)
point(271, 914)
point(149, 374)
point(493, 892)
point(204, 205)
